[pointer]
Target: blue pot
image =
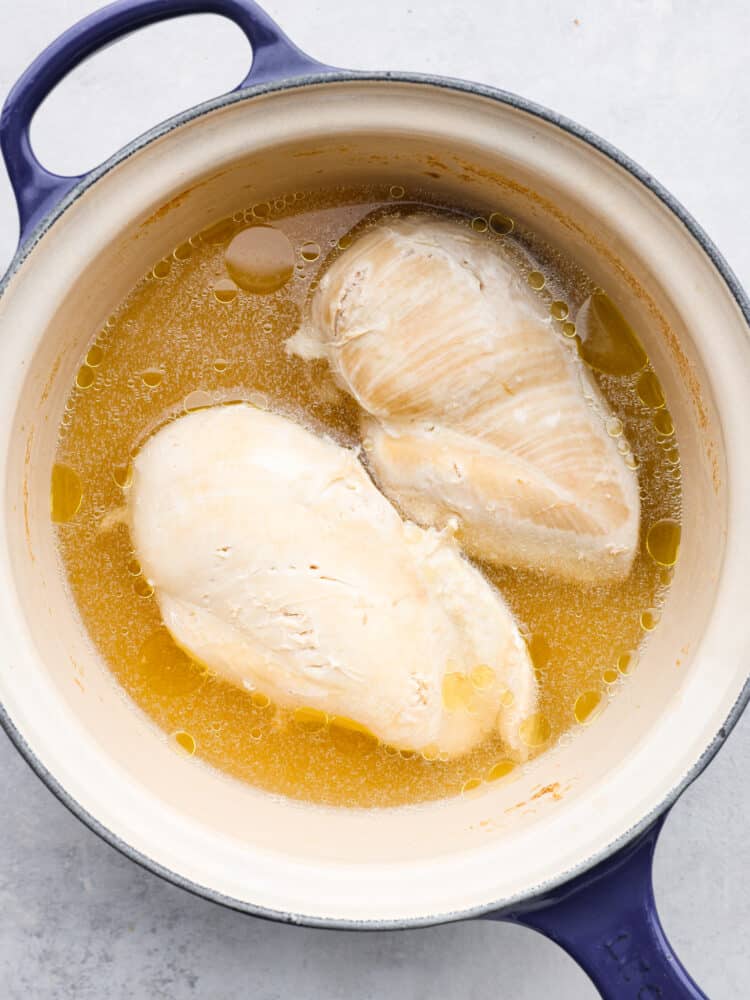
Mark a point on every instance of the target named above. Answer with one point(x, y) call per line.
point(601, 911)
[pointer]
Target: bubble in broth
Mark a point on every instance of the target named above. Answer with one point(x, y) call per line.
point(260, 259)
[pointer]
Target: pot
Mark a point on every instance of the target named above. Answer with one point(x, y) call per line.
point(575, 864)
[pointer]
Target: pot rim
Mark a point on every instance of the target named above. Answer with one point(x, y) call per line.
point(502, 906)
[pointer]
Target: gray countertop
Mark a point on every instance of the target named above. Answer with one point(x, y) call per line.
point(668, 83)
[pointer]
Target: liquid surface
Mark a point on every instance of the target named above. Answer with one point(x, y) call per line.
point(199, 330)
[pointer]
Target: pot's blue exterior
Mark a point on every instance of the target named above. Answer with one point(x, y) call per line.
point(602, 914)
point(37, 190)
point(606, 920)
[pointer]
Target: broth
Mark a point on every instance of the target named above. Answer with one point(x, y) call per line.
point(188, 336)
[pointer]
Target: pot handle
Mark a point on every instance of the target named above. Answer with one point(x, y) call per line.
point(36, 189)
point(607, 922)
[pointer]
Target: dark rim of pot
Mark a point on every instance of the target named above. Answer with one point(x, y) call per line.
point(502, 906)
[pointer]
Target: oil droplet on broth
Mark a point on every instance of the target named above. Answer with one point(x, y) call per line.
point(143, 588)
point(225, 290)
point(348, 725)
point(123, 475)
point(559, 309)
point(396, 191)
point(185, 742)
point(471, 785)
point(536, 280)
point(183, 252)
point(152, 377)
point(501, 224)
point(501, 770)
point(309, 251)
point(610, 675)
point(650, 619)
point(196, 400)
point(587, 706)
point(95, 356)
point(345, 241)
point(134, 567)
point(650, 391)
point(614, 426)
point(663, 423)
point(260, 259)
point(351, 737)
point(220, 365)
point(626, 661)
point(66, 494)
point(165, 669)
point(666, 575)
point(162, 269)
point(663, 542)
point(608, 342)
point(479, 225)
point(85, 377)
point(569, 329)
point(260, 700)
point(535, 730)
point(310, 719)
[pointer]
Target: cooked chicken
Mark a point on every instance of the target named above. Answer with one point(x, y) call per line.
point(475, 407)
point(278, 564)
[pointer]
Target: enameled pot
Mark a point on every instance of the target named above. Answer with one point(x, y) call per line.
point(576, 864)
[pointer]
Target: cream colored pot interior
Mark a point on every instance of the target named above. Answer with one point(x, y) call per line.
point(459, 855)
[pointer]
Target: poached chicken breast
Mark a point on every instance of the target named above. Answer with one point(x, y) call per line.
point(474, 407)
point(279, 565)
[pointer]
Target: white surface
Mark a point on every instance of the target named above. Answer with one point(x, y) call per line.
point(669, 87)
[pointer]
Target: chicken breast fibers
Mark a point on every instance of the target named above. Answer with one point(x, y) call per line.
point(278, 564)
point(475, 407)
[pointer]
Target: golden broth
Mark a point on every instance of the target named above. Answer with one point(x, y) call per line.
point(194, 332)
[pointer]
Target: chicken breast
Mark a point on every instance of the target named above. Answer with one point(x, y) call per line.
point(475, 407)
point(278, 564)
